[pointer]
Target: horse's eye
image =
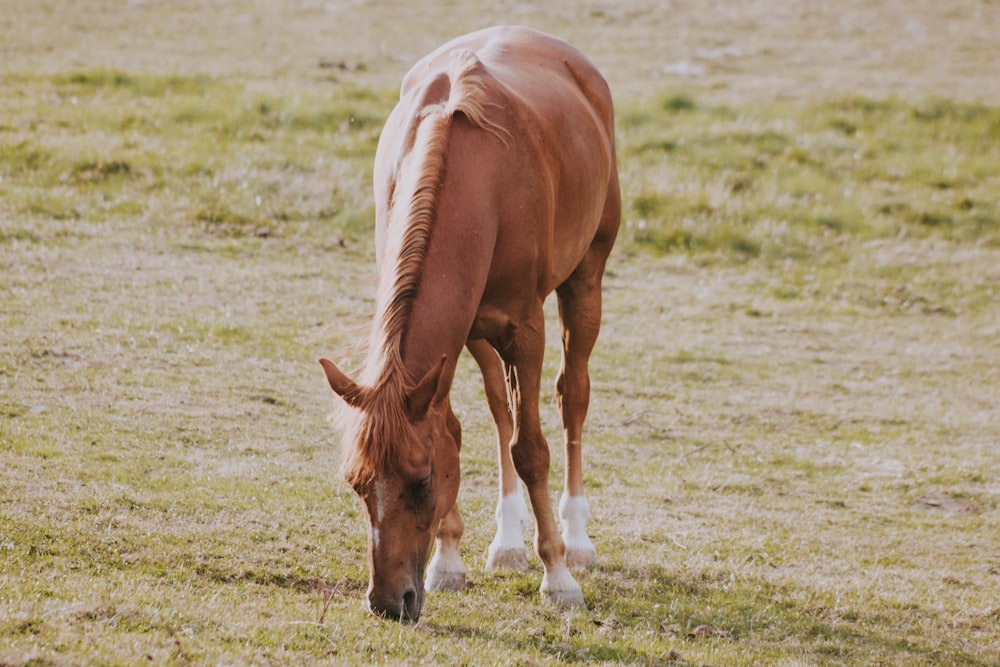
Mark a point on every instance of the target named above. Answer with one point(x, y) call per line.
point(423, 486)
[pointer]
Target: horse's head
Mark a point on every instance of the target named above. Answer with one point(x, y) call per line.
point(402, 461)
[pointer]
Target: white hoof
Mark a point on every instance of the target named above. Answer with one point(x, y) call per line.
point(580, 558)
point(562, 590)
point(511, 559)
point(445, 572)
point(445, 581)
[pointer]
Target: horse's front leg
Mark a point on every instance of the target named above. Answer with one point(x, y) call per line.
point(446, 571)
point(530, 454)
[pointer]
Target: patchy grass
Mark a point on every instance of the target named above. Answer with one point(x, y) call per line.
point(792, 451)
point(186, 152)
point(796, 181)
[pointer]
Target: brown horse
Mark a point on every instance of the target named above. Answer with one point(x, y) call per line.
point(495, 184)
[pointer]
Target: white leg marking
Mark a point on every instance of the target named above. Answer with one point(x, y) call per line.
point(560, 588)
point(445, 571)
point(574, 512)
point(507, 548)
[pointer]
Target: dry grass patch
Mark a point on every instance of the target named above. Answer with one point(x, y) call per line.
point(792, 451)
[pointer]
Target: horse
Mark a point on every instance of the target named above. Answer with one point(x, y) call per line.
point(495, 184)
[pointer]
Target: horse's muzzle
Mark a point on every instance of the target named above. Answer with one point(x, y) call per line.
point(403, 606)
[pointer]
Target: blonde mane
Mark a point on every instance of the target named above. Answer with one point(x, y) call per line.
point(380, 421)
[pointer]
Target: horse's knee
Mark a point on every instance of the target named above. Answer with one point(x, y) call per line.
point(531, 460)
point(573, 384)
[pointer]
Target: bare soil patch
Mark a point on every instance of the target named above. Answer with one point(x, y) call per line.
point(754, 51)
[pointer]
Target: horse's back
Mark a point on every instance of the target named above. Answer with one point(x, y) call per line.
point(536, 172)
point(537, 67)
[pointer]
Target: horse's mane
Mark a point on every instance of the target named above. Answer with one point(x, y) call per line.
point(380, 420)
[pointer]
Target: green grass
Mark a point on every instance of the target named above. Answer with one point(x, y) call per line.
point(185, 151)
point(778, 181)
point(793, 181)
point(791, 453)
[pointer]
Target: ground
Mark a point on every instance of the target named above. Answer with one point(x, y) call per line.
point(792, 453)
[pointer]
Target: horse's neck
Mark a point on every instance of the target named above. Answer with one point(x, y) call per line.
point(438, 323)
point(455, 232)
point(448, 295)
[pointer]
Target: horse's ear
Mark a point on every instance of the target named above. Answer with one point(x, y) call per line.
point(342, 385)
point(429, 391)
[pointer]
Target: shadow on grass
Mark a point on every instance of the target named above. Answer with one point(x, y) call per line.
point(764, 616)
point(570, 649)
point(298, 582)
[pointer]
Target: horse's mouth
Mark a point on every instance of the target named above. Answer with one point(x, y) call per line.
point(404, 607)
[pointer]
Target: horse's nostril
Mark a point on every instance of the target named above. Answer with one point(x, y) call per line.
point(411, 610)
point(409, 598)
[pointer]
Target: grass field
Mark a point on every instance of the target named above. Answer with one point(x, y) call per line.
point(793, 451)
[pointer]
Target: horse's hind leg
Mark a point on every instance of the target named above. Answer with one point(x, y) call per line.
point(580, 315)
point(507, 549)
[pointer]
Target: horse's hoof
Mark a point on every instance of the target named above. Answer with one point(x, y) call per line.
point(565, 599)
point(581, 558)
point(511, 559)
point(562, 591)
point(445, 581)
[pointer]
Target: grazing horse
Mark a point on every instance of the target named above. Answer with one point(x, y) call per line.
point(495, 184)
